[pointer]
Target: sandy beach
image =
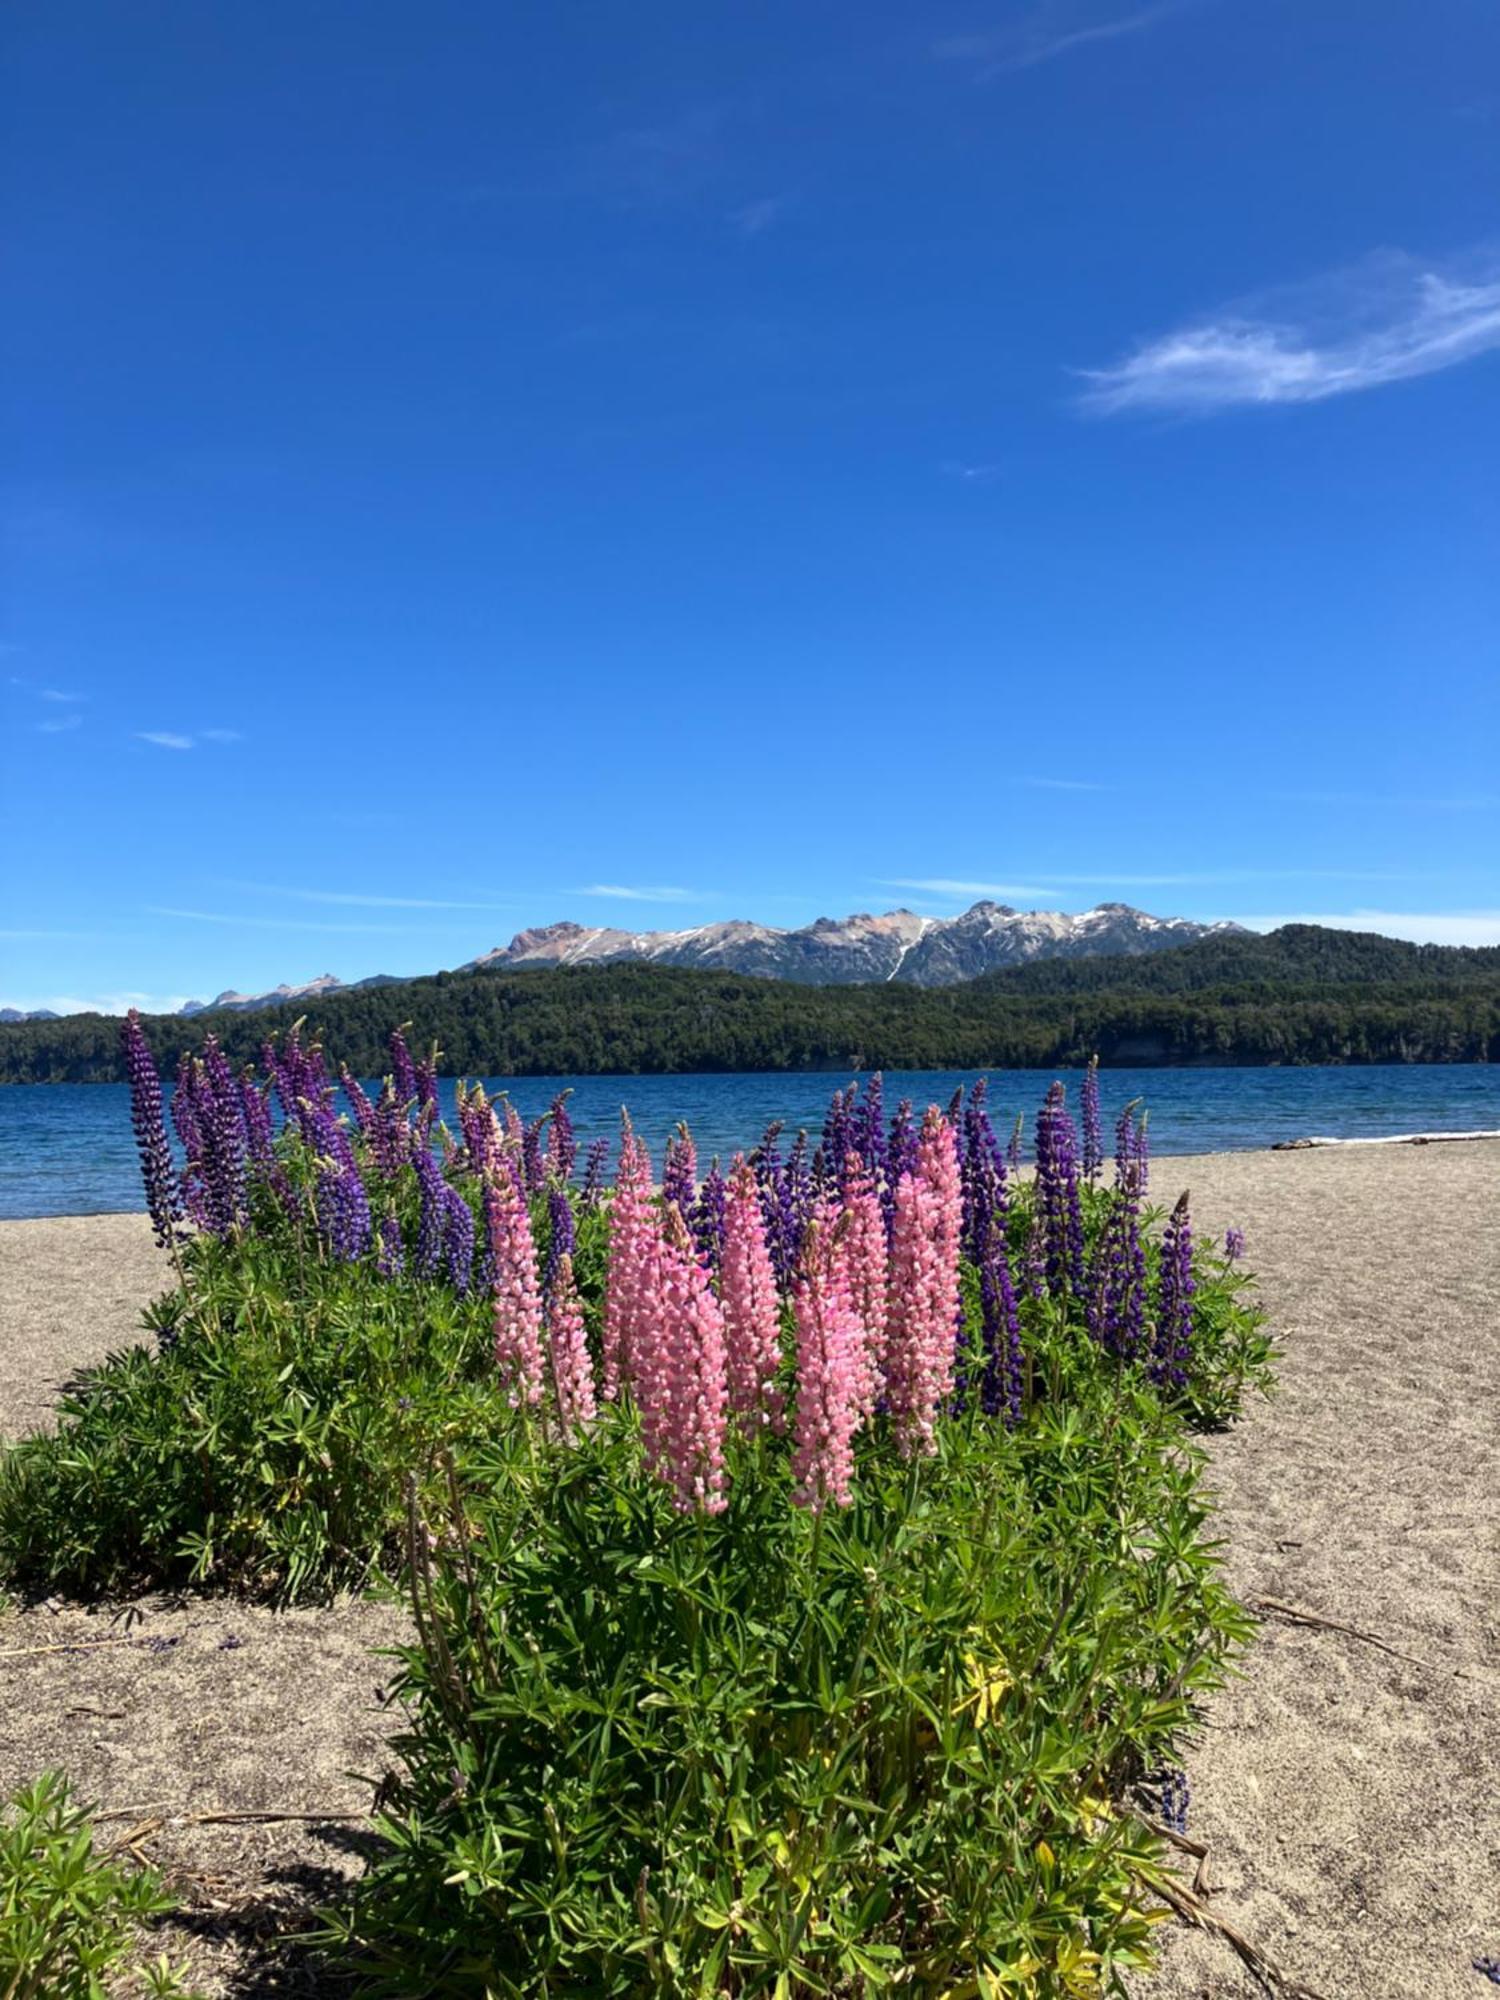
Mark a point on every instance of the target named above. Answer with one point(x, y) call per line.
point(1345, 1785)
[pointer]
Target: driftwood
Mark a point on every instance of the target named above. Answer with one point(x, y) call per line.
point(1384, 1139)
point(1261, 1967)
point(1293, 1614)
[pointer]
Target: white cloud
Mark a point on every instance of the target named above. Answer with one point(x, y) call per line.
point(947, 885)
point(1388, 319)
point(61, 724)
point(56, 694)
point(754, 218)
point(1423, 927)
point(1042, 36)
point(280, 923)
point(165, 739)
point(221, 736)
point(349, 897)
point(623, 893)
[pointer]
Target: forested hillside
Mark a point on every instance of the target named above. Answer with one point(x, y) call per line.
point(1300, 995)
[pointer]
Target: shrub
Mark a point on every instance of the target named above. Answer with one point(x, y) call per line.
point(877, 1748)
point(69, 1917)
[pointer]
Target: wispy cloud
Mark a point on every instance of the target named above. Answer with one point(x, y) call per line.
point(754, 218)
point(1053, 885)
point(221, 736)
point(947, 885)
point(981, 474)
point(1470, 927)
point(1462, 802)
point(1062, 785)
point(351, 897)
point(1388, 319)
point(165, 739)
point(58, 724)
point(56, 694)
point(1046, 33)
point(102, 1003)
point(279, 923)
point(18, 937)
point(623, 893)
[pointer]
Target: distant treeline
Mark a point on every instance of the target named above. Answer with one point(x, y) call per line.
point(1302, 995)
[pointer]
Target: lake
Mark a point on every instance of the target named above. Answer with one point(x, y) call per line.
point(67, 1149)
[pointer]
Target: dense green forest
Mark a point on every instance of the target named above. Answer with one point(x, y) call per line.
point(1301, 995)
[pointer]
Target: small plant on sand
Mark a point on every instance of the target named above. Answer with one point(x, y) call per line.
point(71, 1919)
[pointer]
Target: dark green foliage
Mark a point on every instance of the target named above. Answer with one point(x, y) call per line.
point(765, 1752)
point(71, 1918)
point(1300, 995)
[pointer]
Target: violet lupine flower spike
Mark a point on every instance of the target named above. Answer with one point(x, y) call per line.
point(561, 1240)
point(1234, 1245)
point(1141, 1153)
point(1093, 1129)
point(533, 1166)
point(163, 1202)
point(679, 1173)
point(708, 1216)
point(222, 1120)
point(562, 1145)
point(458, 1242)
point(596, 1165)
point(403, 1069)
point(1056, 1197)
point(1125, 1141)
point(747, 1290)
point(359, 1103)
point(830, 1378)
point(1116, 1302)
point(1173, 1347)
point(391, 1261)
point(432, 1223)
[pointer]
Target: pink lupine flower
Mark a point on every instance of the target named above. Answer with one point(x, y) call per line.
point(864, 1238)
point(922, 1295)
point(518, 1298)
point(568, 1352)
point(747, 1288)
point(631, 1226)
point(678, 1370)
point(830, 1341)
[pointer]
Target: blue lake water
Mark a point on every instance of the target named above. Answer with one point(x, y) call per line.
point(66, 1149)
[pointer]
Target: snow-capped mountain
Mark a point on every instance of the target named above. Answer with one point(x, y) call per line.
point(832, 951)
point(926, 951)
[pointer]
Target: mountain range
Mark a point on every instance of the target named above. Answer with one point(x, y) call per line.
point(832, 951)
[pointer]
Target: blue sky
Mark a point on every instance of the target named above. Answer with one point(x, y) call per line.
point(469, 465)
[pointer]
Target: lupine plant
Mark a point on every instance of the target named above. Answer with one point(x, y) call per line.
point(806, 1560)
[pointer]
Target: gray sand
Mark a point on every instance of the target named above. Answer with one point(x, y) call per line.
point(1350, 1797)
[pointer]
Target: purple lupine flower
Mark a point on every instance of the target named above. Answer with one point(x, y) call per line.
point(1058, 1203)
point(359, 1103)
point(1116, 1301)
point(343, 1204)
point(158, 1172)
point(188, 1109)
point(834, 1147)
point(458, 1241)
point(391, 1261)
point(389, 1135)
point(1093, 1128)
point(1125, 1141)
point(425, 1073)
point(1017, 1134)
point(1002, 1385)
point(1234, 1244)
point(775, 1203)
point(708, 1217)
point(561, 1235)
point(595, 1173)
point(477, 1124)
point(679, 1173)
point(432, 1223)
point(1141, 1152)
point(403, 1069)
point(255, 1109)
point(1172, 1350)
point(222, 1124)
point(562, 1145)
point(801, 1195)
point(982, 1171)
point(533, 1165)
point(867, 1127)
